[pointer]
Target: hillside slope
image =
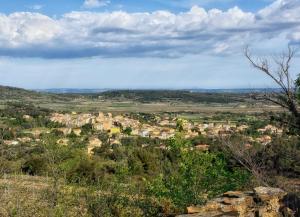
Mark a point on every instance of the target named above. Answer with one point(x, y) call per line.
point(12, 93)
point(7, 93)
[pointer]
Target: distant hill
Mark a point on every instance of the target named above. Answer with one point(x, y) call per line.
point(13, 93)
point(143, 96)
point(175, 95)
point(195, 90)
point(71, 90)
point(7, 93)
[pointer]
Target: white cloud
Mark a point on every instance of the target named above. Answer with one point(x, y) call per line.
point(27, 29)
point(36, 7)
point(284, 10)
point(95, 3)
point(190, 3)
point(160, 33)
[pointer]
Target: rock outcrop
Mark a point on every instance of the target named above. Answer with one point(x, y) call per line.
point(261, 202)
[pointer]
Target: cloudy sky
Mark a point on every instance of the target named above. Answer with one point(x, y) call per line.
point(142, 44)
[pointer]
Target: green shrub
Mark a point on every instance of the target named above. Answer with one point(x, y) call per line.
point(199, 176)
point(282, 156)
point(144, 161)
point(117, 200)
point(36, 165)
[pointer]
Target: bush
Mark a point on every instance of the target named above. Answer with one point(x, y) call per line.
point(36, 165)
point(199, 176)
point(82, 171)
point(117, 200)
point(144, 161)
point(282, 156)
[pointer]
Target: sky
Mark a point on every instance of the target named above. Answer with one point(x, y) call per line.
point(143, 44)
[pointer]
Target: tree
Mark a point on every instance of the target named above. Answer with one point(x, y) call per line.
point(128, 131)
point(195, 176)
point(247, 158)
point(278, 69)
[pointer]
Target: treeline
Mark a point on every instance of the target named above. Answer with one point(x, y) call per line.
point(144, 96)
point(174, 95)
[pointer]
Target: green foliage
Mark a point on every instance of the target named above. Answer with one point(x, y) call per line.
point(87, 129)
point(176, 95)
point(144, 117)
point(116, 200)
point(139, 141)
point(142, 161)
point(6, 134)
point(199, 176)
point(282, 156)
point(104, 137)
point(36, 165)
point(127, 130)
point(254, 125)
point(177, 143)
point(83, 171)
point(179, 125)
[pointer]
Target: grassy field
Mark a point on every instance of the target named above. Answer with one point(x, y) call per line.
point(139, 101)
point(109, 106)
point(112, 106)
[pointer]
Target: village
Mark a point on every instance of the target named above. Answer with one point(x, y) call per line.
point(121, 126)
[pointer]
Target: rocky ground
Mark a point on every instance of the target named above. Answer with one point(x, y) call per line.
point(261, 202)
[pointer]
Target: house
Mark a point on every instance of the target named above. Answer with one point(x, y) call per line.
point(191, 134)
point(162, 147)
point(115, 130)
point(145, 145)
point(98, 126)
point(264, 139)
point(201, 147)
point(164, 123)
point(27, 117)
point(63, 142)
point(36, 133)
point(94, 142)
point(242, 128)
point(271, 129)
point(25, 139)
point(10, 142)
point(135, 132)
point(77, 131)
point(115, 142)
point(155, 133)
point(166, 135)
point(65, 131)
point(107, 124)
point(145, 133)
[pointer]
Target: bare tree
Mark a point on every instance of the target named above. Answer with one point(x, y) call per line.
point(247, 157)
point(278, 69)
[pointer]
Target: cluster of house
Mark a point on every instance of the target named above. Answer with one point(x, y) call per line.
point(112, 124)
point(271, 129)
point(165, 128)
point(206, 129)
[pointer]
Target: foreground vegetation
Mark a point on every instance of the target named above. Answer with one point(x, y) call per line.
point(138, 176)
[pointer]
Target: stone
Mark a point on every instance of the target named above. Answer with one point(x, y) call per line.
point(267, 193)
point(193, 209)
point(261, 202)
